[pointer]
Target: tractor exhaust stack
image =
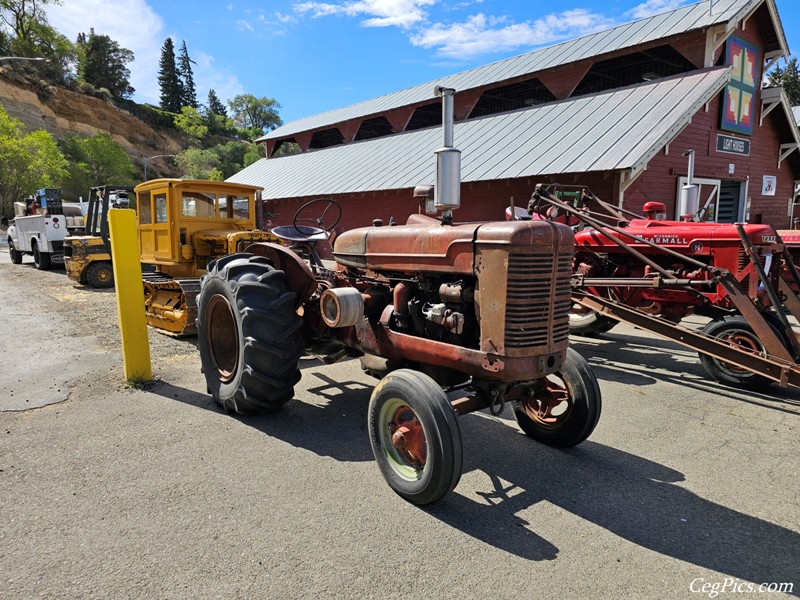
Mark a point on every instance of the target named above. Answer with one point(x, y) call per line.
point(448, 160)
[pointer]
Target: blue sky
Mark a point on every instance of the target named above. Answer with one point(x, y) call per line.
point(316, 56)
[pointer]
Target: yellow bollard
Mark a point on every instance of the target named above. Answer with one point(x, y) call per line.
point(130, 294)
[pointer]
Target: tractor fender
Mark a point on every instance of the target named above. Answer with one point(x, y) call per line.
point(299, 277)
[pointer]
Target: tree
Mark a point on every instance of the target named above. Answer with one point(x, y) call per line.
point(789, 79)
point(103, 63)
point(190, 123)
point(189, 95)
point(27, 162)
point(96, 160)
point(169, 79)
point(214, 105)
point(24, 31)
point(255, 116)
point(195, 163)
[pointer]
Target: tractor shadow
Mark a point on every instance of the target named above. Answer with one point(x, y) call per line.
point(634, 498)
point(639, 362)
point(506, 473)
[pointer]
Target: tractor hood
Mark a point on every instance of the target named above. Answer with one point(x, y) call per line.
point(424, 244)
point(678, 234)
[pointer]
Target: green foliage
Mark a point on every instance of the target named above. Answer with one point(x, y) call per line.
point(94, 161)
point(789, 78)
point(27, 162)
point(254, 153)
point(214, 105)
point(189, 96)
point(191, 124)
point(195, 163)
point(169, 79)
point(255, 116)
point(103, 64)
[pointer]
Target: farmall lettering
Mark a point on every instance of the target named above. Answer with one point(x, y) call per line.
point(667, 239)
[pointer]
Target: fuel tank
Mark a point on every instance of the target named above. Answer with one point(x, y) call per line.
point(424, 244)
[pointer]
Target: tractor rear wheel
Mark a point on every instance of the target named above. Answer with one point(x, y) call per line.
point(100, 275)
point(16, 256)
point(588, 323)
point(249, 334)
point(40, 259)
point(735, 330)
point(565, 411)
point(415, 436)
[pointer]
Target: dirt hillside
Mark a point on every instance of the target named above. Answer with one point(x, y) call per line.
point(71, 112)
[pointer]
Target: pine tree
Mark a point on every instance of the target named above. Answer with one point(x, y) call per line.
point(789, 79)
point(169, 79)
point(214, 105)
point(189, 96)
point(102, 63)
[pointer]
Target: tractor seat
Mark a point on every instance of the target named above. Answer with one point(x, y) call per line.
point(300, 233)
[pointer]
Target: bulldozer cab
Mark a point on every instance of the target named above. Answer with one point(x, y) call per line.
point(171, 212)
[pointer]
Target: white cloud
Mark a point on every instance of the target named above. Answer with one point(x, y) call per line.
point(245, 25)
point(130, 23)
point(481, 34)
point(379, 13)
point(133, 24)
point(653, 7)
point(208, 76)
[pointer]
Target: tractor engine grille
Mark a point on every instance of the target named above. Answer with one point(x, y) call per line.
point(537, 299)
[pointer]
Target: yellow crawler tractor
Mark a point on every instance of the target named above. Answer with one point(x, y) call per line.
point(184, 224)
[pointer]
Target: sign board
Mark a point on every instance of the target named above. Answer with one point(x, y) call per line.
point(733, 145)
point(739, 97)
point(768, 185)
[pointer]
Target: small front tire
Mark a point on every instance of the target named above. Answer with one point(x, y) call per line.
point(588, 323)
point(415, 436)
point(564, 410)
point(100, 275)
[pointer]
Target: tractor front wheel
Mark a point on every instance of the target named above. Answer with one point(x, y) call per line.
point(249, 334)
point(735, 330)
point(564, 410)
point(415, 436)
point(100, 275)
point(16, 255)
point(588, 323)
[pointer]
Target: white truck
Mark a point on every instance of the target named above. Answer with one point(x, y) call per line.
point(40, 225)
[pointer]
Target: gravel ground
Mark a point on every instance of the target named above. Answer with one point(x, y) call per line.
point(109, 491)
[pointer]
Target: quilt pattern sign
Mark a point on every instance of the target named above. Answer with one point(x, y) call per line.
point(739, 97)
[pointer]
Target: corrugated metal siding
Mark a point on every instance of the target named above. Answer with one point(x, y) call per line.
point(604, 132)
point(687, 18)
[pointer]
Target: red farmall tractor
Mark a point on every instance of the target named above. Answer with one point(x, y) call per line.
point(430, 307)
point(731, 273)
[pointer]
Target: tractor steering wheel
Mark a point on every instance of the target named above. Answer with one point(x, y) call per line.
point(319, 222)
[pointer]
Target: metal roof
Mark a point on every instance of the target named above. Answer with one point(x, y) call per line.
point(681, 20)
point(614, 130)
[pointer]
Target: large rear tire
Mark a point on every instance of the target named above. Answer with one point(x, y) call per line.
point(16, 256)
point(41, 259)
point(415, 436)
point(249, 334)
point(566, 409)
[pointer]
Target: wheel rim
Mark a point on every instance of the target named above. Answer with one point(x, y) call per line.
point(579, 314)
point(222, 337)
point(103, 275)
point(402, 439)
point(745, 340)
point(550, 406)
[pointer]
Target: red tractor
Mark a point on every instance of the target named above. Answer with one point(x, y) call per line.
point(431, 307)
point(672, 269)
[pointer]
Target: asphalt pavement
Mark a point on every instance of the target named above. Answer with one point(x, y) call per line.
point(686, 489)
